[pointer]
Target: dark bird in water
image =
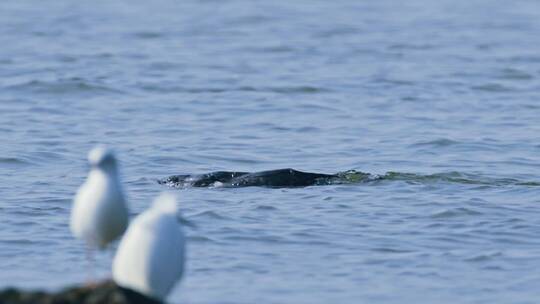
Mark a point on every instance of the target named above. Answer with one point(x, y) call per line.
point(281, 178)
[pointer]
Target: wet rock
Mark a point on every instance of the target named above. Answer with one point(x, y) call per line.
point(281, 178)
point(103, 292)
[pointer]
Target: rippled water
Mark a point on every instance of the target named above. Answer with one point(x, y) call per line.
point(445, 94)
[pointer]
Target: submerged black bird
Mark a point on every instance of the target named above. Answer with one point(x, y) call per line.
point(281, 178)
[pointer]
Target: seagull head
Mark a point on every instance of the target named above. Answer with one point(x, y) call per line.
point(102, 157)
point(166, 203)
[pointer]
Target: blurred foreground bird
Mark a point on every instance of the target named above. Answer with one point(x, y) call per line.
point(150, 257)
point(99, 214)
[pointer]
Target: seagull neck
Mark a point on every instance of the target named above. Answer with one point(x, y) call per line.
point(108, 171)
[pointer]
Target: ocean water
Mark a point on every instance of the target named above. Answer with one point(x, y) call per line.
point(445, 94)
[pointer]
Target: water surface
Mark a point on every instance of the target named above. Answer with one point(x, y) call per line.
point(443, 93)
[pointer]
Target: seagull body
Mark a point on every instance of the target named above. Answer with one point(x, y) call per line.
point(150, 257)
point(99, 213)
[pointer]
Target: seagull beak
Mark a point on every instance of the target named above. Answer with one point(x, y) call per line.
point(185, 222)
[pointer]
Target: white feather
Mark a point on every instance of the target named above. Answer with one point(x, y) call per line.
point(99, 213)
point(150, 257)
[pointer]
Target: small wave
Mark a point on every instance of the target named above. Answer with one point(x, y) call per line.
point(390, 250)
point(22, 242)
point(266, 208)
point(174, 88)
point(284, 90)
point(455, 177)
point(148, 35)
point(13, 161)
point(274, 239)
point(259, 239)
point(484, 257)
point(492, 87)
point(208, 215)
point(411, 46)
point(515, 74)
point(63, 86)
point(524, 59)
point(163, 88)
point(200, 239)
point(442, 142)
point(394, 81)
point(299, 89)
point(351, 177)
point(533, 184)
point(455, 212)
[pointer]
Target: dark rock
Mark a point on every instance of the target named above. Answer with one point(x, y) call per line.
point(281, 178)
point(103, 292)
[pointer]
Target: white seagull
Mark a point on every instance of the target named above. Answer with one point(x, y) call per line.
point(150, 257)
point(99, 213)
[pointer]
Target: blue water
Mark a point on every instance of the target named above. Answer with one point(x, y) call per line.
point(445, 91)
